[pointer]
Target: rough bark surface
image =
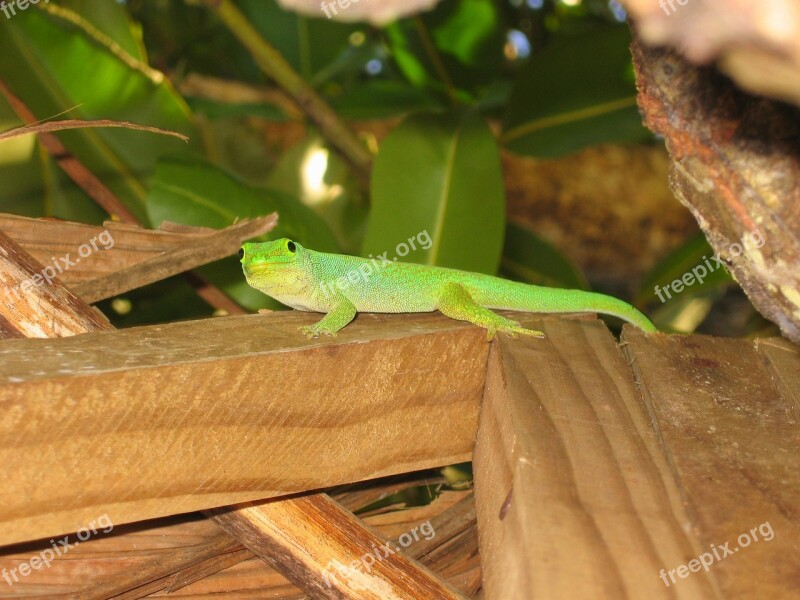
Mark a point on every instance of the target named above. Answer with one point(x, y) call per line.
point(736, 166)
point(756, 43)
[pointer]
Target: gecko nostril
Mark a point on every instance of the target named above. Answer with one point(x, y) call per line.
point(241, 253)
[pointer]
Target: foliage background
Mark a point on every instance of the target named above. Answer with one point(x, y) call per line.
point(454, 87)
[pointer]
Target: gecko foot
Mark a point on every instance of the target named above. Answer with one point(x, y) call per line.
point(312, 331)
point(514, 331)
point(531, 332)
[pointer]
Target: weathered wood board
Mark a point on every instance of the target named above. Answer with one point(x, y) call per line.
point(167, 419)
point(189, 556)
point(314, 535)
point(589, 482)
point(39, 318)
point(98, 262)
point(732, 442)
point(574, 496)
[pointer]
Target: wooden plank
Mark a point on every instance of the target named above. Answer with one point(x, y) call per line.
point(782, 359)
point(210, 247)
point(177, 553)
point(101, 262)
point(316, 536)
point(160, 420)
point(733, 448)
point(46, 239)
point(574, 497)
point(18, 264)
point(8, 330)
point(32, 307)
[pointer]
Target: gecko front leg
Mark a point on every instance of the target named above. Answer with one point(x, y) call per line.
point(340, 315)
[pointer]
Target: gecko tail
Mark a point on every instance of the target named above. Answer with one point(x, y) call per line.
point(580, 300)
point(533, 298)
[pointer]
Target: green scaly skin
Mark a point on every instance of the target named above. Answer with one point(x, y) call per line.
point(342, 286)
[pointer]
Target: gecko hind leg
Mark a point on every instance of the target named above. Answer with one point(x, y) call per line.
point(456, 303)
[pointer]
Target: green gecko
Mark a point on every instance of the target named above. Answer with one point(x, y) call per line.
point(341, 286)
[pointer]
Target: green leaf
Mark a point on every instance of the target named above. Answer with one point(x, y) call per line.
point(188, 38)
point(461, 40)
point(310, 45)
point(382, 99)
point(192, 192)
point(214, 109)
point(468, 30)
point(528, 258)
point(576, 92)
point(440, 174)
point(695, 255)
point(318, 177)
point(20, 169)
point(408, 53)
point(44, 60)
point(108, 20)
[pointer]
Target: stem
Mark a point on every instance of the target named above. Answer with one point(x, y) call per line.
point(436, 59)
point(275, 66)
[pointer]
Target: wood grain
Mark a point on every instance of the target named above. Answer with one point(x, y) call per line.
point(31, 307)
point(186, 556)
point(782, 359)
point(20, 263)
point(732, 445)
point(224, 411)
point(574, 496)
point(314, 536)
point(127, 256)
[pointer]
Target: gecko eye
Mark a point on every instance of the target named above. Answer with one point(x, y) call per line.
point(241, 253)
point(291, 246)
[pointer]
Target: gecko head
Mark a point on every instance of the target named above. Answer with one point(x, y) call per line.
point(280, 261)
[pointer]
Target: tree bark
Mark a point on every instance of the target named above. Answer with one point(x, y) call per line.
point(736, 166)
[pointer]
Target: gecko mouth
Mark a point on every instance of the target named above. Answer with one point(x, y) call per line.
point(256, 275)
point(258, 269)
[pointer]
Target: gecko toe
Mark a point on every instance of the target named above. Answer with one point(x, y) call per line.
point(532, 332)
